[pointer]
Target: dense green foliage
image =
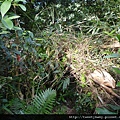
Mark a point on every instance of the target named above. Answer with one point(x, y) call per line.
point(35, 72)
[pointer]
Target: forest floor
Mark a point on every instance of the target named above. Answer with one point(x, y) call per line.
point(84, 55)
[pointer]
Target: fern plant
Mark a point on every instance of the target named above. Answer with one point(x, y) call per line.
point(42, 103)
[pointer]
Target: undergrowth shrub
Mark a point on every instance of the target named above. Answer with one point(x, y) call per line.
point(35, 72)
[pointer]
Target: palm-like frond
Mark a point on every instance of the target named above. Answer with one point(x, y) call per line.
point(43, 102)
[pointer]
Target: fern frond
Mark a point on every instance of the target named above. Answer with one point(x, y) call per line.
point(66, 82)
point(43, 102)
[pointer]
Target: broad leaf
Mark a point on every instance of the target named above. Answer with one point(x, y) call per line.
point(1, 85)
point(5, 7)
point(7, 23)
point(22, 7)
point(117, 70)
point(14, 17)
point(20, 1)
point(17, 28)
point(56, 71)
point(114, 55)
point(114, 107)
point(104, 111)
point(118, 37)
point(118, 84)
point(4, 32)
point(31, 34)
point(66, 83)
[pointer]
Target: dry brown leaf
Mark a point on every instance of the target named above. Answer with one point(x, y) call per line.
point(102, 77)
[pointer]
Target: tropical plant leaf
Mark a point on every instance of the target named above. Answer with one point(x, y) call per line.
point(118, 37)
point(14, 106)
point(5, 7)
point(114, 107)
point(43, 102)
point(117, 70)
point(118, 84)
point(66, 83)
point(7, 23)
point(1, 85)
point(22, 7)
point(17, 28)
point(114, 55)
point(20, 1)
point(7, 110)
point(4, 32)
point(14, 17)
point(104, 111)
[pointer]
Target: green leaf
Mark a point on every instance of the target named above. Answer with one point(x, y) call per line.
point(114, 107)
point(117, 70)
point(66, 83)
point(5, 7)
point(83, 78)
point(14, 17)
point(111, 33)
point(20, 1)
point(14, 45)
point(6, 109)
point(43, 102)
point(118, 84)
point(22, 7)
point(104, 111)
point(31, 34)
point(4, 32)
point(56, 71)
point(17, 52)
point(118, 37)
point(2, 85)
point(7, 23)
point(114, 55)
point(17, 28)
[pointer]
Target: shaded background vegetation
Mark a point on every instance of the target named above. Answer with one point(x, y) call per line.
point(36, 76)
